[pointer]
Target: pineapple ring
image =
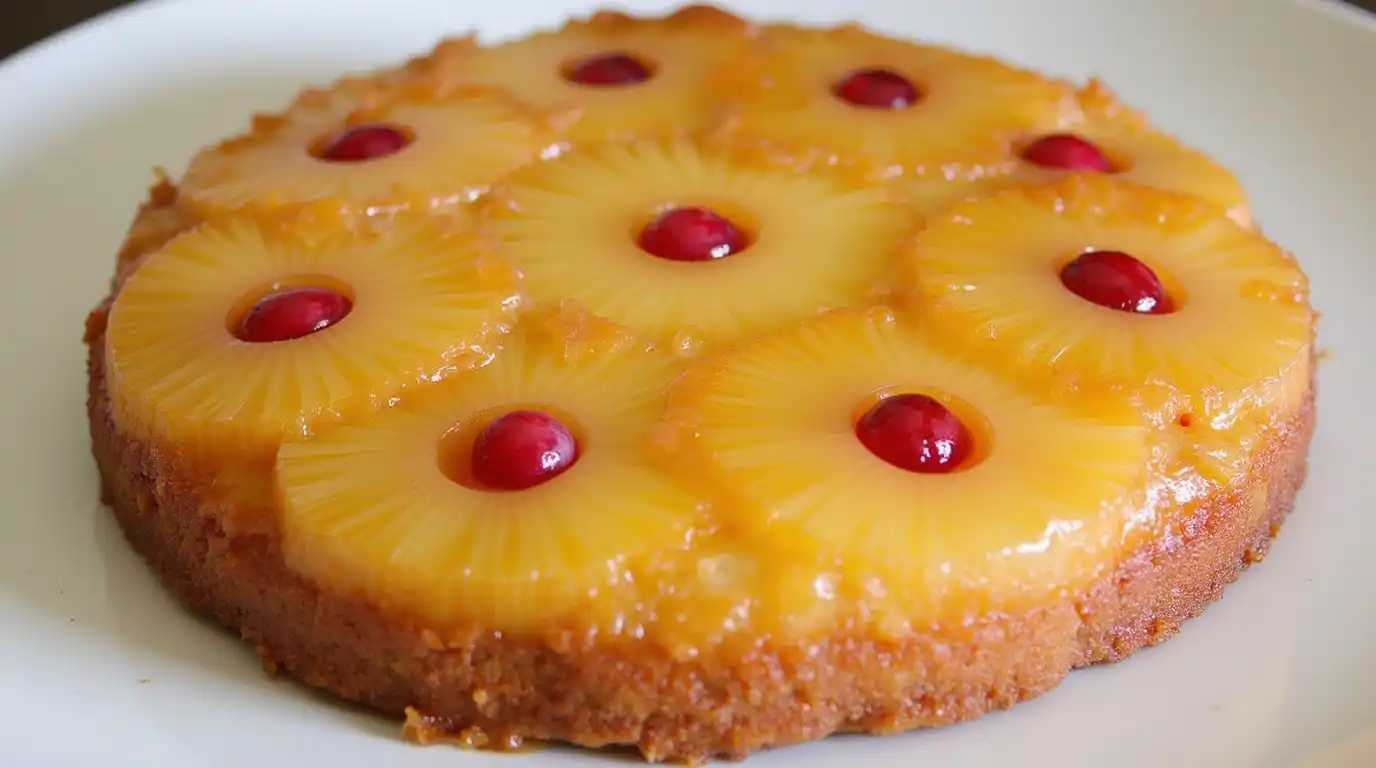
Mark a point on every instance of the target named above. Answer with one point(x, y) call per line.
point(970, 107)
point(987, 274)
point(425, 302)
point(683, 51)
point(571, 224)
point(1139, 153)
point(368, 506)
point(1146, 156)
point(460, 142)
point(773, 421)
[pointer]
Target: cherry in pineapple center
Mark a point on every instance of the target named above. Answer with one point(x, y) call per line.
point(1067, 152)
point(292, 313)
point(917, 433)
point(877, 88)
point(362, 143)
point(608, 70)
point(1116, 280)
point(692, 234)
point(513, 451)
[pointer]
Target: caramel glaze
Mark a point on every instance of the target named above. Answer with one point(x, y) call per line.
point(492, 688)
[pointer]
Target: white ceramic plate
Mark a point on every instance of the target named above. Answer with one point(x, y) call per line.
point(99, 667)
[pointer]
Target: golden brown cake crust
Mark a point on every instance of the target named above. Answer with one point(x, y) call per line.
point(500, 689)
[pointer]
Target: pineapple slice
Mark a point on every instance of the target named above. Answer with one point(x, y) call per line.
point(1233, 333)
point(1144, 155)
point(1039, 507)
point(612, 76)
point(188, 364)
point(1110, 135)
point(576, 226)
point(362, 149)
point(389, 507)
point(847, 95)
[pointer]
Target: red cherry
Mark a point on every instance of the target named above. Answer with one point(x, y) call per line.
point(522, 449)
point(916, 433)
point(1066, 152)
point(692, 234)
point(877, 89)
point(1116, 280)
point(365, 142)
point(609, 69)
point(293, 313)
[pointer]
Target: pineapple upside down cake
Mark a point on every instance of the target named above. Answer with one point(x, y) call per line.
point(699, 385)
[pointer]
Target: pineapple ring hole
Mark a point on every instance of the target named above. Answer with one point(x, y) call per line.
point(738, 215)
point(1175, 293)
point(974, 421)
point(454, 450)
point(240, 308)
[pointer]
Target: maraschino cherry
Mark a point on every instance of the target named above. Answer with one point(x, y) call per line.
point(917, 433)
point(522, 449)
point(365, 142)
point(608, 69)
point(1067, 152)
point(692, 234)
point(293, 313)
point(1118, 281)
point(877, 89)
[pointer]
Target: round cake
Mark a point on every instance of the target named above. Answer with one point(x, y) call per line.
point(699, 386)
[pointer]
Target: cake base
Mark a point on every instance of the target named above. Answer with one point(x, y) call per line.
point(492, 689)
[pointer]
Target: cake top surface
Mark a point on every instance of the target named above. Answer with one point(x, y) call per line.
point(699, 330)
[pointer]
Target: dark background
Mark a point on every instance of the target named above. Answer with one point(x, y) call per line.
point(27, 21)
